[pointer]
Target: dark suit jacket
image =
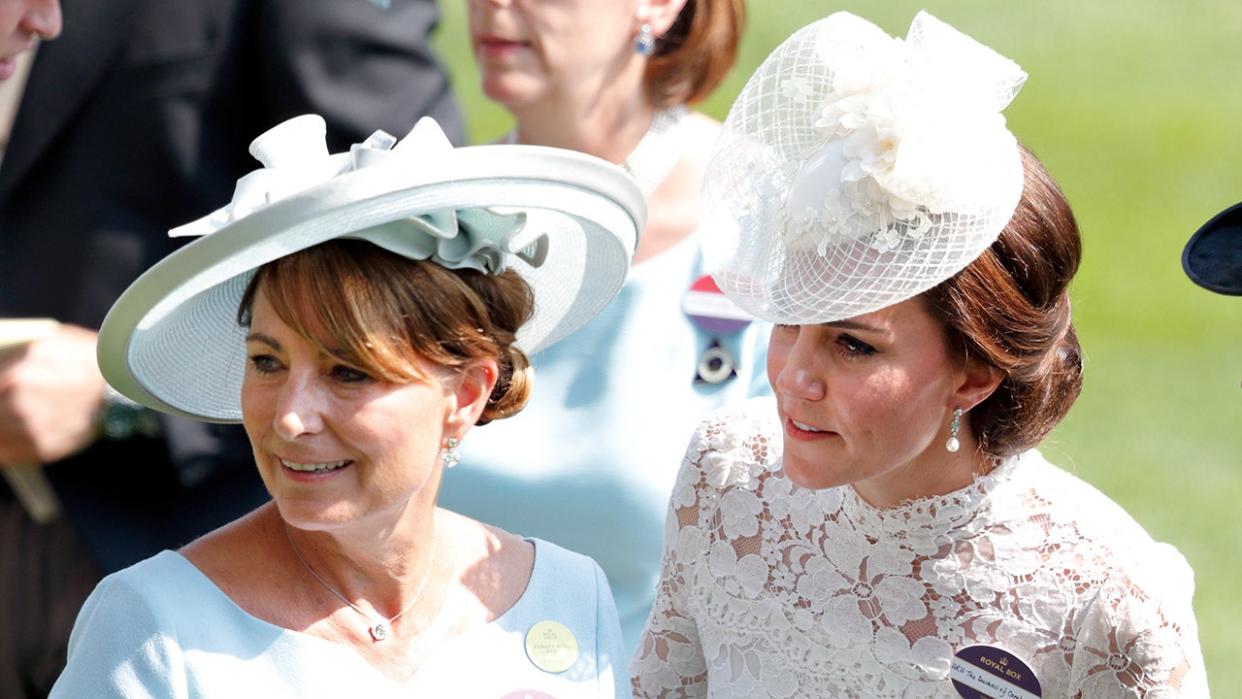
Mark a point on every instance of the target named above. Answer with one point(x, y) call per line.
point(137, 119)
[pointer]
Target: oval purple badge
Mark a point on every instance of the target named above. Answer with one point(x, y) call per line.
point(988, 672)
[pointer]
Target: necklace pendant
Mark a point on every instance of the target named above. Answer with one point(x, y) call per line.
point(379, 632)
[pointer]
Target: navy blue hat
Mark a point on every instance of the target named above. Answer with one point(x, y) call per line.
point(1213, 255)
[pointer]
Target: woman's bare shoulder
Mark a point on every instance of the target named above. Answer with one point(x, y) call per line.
point(239, 558)
point(488, 571)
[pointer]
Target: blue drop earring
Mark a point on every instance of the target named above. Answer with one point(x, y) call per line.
point(644, 43)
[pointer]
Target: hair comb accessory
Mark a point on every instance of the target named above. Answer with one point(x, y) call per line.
point(856, 170)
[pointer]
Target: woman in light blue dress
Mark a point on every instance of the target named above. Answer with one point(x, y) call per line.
point(360, 313)
point(588, 463)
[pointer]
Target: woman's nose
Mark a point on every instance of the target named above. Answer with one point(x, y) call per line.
point(42, 18)
point(299, 409)
point(798, 377)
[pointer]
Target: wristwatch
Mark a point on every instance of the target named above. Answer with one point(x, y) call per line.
point(120, 418)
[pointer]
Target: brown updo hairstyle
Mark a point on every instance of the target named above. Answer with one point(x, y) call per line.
point(382, 311)
point(1011, 308)
point(696, 53)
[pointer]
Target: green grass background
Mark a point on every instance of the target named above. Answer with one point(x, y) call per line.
point(1136, 108)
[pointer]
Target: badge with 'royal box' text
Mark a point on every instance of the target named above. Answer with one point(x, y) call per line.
point(988, 672)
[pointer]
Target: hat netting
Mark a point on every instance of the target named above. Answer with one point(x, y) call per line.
point(857, 170)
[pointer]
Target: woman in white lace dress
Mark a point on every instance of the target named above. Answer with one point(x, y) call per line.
point(886, 527)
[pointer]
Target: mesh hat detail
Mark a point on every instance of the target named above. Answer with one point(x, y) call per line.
point(857, 170)
point(567, 222)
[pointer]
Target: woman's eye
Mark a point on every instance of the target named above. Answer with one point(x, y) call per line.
point(264, 363)
point(346, 374)
point(853, 347)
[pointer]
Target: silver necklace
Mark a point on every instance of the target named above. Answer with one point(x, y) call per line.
point(379, 627)
point(656, 153)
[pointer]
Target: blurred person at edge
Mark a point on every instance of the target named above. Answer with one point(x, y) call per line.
point(136, 119)
point(1212, 257)
point(615, 401)
point(22, 24)
point(887, 527)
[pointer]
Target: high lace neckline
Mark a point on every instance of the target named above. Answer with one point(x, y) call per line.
point(966, 507)
point(770, 590)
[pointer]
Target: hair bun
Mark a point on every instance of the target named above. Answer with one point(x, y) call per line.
point(513, 386)
point(1011, 309)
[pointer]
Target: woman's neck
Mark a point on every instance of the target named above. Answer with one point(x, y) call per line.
point(389, 567)
point(936, 472)
point(607, 125)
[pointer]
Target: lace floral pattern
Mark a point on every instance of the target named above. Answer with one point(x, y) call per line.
point(772, 590)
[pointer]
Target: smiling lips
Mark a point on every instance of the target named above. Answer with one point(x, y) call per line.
point(315, 468)
point(8, 64)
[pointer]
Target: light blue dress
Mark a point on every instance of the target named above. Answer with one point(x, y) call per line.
point(163, 629)
point(590, 462)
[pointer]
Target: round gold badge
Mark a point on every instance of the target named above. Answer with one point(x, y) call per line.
point(551, 646)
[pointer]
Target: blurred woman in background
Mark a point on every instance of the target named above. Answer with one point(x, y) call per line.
point(615, 401)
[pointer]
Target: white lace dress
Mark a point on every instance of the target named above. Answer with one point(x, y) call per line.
point(772, 590)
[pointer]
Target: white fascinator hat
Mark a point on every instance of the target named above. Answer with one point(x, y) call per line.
point(857, 170)
point(567, 222)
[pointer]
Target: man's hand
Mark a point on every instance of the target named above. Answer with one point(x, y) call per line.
point(50, 391)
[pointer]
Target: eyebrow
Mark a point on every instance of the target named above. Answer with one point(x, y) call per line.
point(265, 339)
point(854, 325)
point(275, 344)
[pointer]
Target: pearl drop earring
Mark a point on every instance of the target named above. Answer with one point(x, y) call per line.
point(954, 425)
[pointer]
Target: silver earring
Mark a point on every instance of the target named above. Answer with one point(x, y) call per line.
point(451, 457)
point(954, 425)
point(644, 43)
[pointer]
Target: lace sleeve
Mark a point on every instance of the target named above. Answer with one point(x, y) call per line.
point(1139, 637)
point(729, 450)
point(669, 660)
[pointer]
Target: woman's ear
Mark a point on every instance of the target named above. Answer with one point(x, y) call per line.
point(976, 381)
point(470, 389)
point(660, 14)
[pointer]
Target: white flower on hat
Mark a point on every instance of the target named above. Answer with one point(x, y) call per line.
point(797, 90)
point(898, 169)
point(878, 113)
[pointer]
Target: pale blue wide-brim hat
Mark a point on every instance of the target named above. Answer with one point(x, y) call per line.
point(566, 221)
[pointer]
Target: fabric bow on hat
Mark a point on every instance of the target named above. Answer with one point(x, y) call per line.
point(295, 158)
